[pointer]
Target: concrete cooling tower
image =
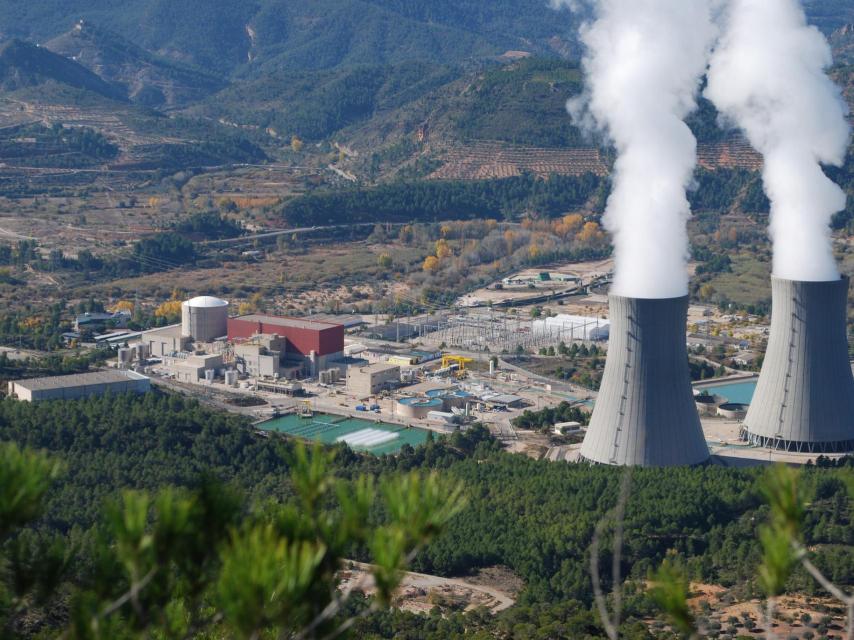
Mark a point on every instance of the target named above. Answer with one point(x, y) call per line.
point(804, 400)
point(645, 413)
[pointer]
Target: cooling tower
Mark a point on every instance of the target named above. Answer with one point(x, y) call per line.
point(645, 413)
point(804, 400)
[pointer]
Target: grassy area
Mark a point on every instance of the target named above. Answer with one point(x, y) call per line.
point(748, 282)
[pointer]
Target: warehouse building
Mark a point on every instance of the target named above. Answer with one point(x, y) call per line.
point(313, 344)
point(371, 379)
point(79, 385)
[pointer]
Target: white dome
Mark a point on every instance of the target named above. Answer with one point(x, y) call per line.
point(206, 302)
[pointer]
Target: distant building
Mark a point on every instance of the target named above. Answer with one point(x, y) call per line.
point(79, 385)
point(264, 356)
point(194, 367)
point(504, 400)
point(97, 321)
point(568, 328)
point(165, 341)
point(371, 379)
point(312, 343)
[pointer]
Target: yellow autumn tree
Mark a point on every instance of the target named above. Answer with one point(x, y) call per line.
point(384, 261)
point(431, 264)
point(533, 251)
point(707, 291)
point(122, 305)
point(442, 249)
point(169, 309)
point(590, 234)
point(296, 144)
point(509, 239)
point(568, 225)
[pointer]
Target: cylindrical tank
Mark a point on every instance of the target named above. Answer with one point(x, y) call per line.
point(125, 355)
point(645, 413)
point(732, 410)
point(204, 318)
point(804, 399)
point(231, 378)
point(417, 408)
point(706, 404)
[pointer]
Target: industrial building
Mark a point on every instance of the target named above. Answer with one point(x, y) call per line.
point(645, 412)
point(309, 342)
point(804, 399)
point(79, 385)
point(204, 318)
point(194, 367)
point(262, 356)
point(97, 321)
point(371, 379)
point(568, 328)
point(166, 341)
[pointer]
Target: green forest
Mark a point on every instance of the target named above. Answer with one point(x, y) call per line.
point(535, 517)
point(452, 200)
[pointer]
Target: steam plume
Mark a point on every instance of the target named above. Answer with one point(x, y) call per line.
point(644, 61)
point(767, 75)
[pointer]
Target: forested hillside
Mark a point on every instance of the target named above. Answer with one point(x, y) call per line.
point(535, 517)
point(24, 65)
point(224, 36)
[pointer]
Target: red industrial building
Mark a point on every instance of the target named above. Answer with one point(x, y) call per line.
point(303, 335)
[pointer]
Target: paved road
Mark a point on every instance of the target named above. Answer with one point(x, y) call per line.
point(280, 232)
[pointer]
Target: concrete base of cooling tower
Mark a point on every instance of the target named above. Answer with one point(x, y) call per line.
point(793, 446)
point(804, 399)
point(645, 413)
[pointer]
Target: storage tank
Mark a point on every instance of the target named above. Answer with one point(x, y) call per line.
point(417, 408)
point(645, 413)
point(804, 399)
point(204, 318)
point(141, 351)
point(231, 378)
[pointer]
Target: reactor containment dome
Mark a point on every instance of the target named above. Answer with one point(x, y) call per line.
point(204, 318)
point(645, 413)
point(804, 399)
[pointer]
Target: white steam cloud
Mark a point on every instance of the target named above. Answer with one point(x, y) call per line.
point(768, 76)
point(644, 62)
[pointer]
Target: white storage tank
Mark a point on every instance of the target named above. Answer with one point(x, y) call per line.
point(204, 318)
point(231, 378)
